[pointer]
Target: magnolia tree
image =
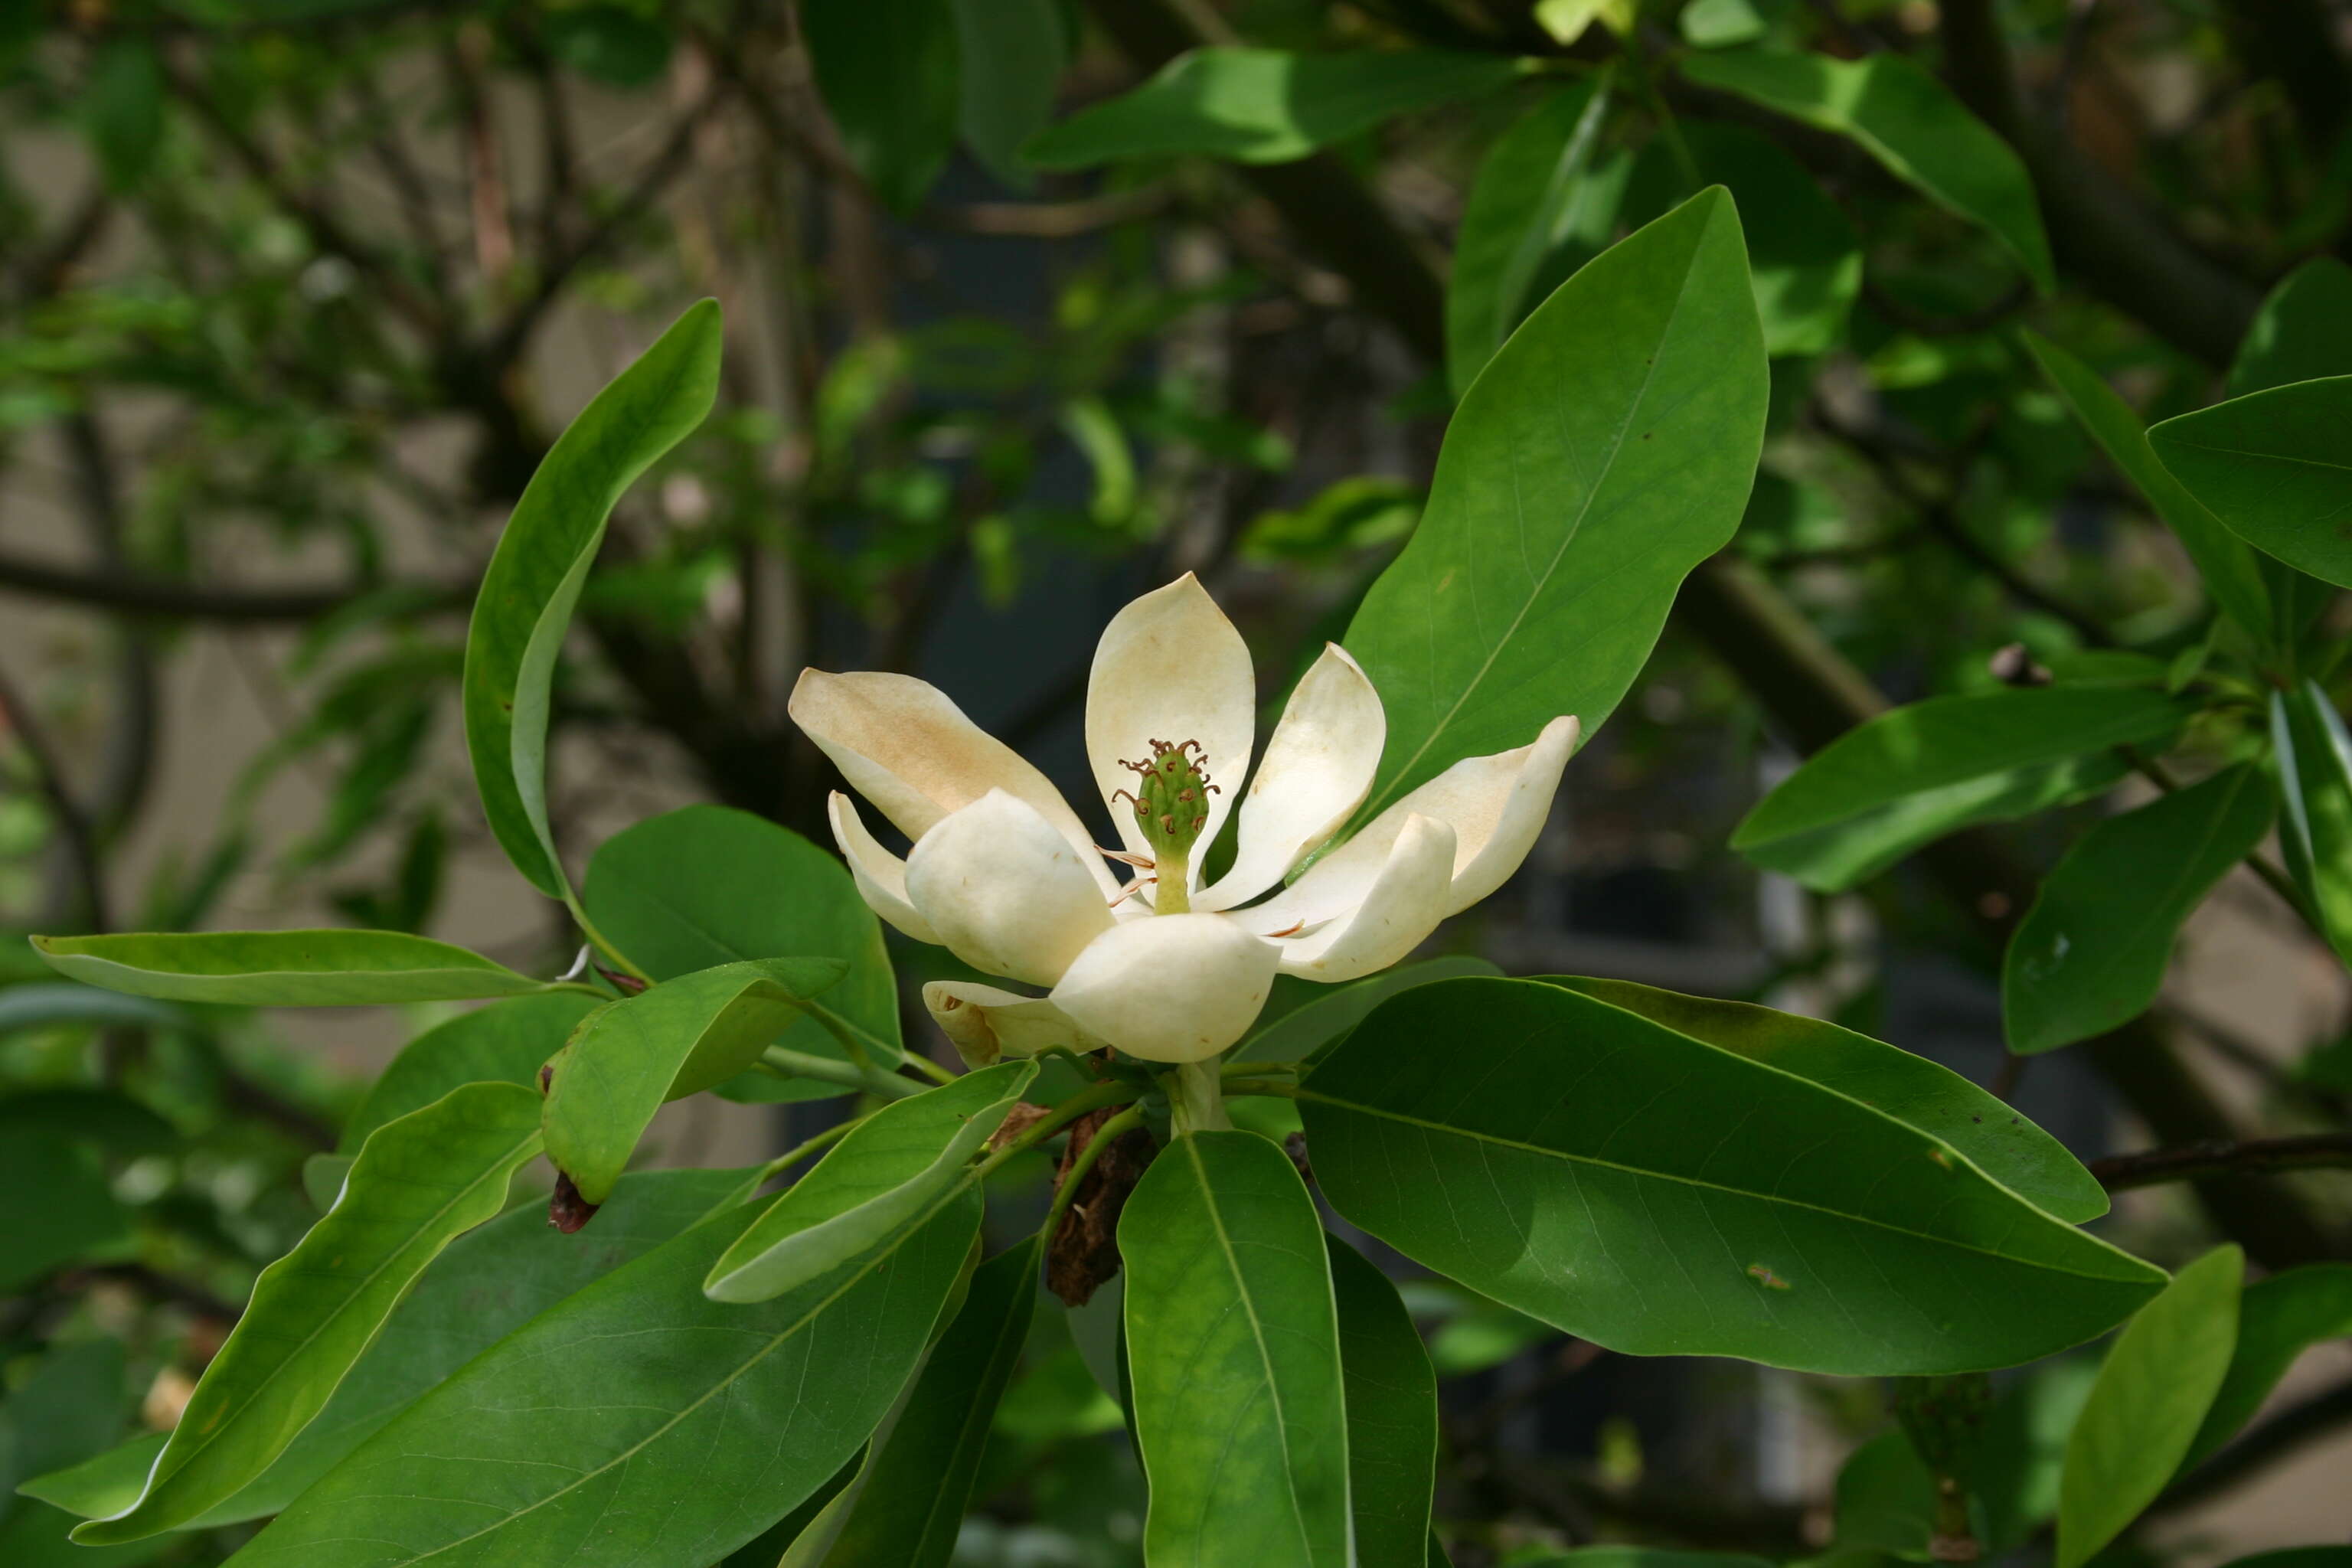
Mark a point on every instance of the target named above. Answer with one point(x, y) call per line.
point(798, 1364)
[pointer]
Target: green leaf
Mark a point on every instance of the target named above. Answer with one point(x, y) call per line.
point(2278, 1318)
point(1663, 1197)
point(2159, 1380)
point(1884, 1499)
point(47, 1006)
point(535, 575)
point(2092, 951)
point(505, 1042)
point(606, 1432)
point(1912, 1089)
point(115, 1123)
point(1232, 1346)
point(1303, 1032)
point(282, 968)
point(1892, 110)
point(488, 1283)
point(1265, 106)
point(2314, 757)
point(1804, 258)
point(912, 1499)
point(1013, 55)
point(1906, 778)
point(887, 72)
point(1531, 190)
point(631, 1056)
point(418, 1182)
point(1719, 23)
point(2302, 333)
point(2229, 569)
point(1392, 1398)
point(1603, 453)
point(61, 1208)
point(122, 104)
point(905, 1163)
point(694, 889)
point(2273, 467)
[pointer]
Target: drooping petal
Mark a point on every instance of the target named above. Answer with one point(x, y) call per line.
point(985, 1024)
point(1173, 988)
point(880, 876)
point(1318, 765)
point(1403, 905)
point(1495, 805)
point(1005, 891)
point(1170, 668)
point(903, 745)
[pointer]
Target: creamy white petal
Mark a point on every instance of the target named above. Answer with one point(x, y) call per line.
point(880, 876)
point(985, 1024)
point(1174, 988)
point(903, 745)
point(1318, 765)
point(1005, 891)
point(1170, 668)
point(1403, 905)
point(1495, 805)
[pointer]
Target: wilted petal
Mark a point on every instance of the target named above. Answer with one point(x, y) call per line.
point(1170, 668)
point(1005, 891)
point(880, 876)
point(1496, 804)
point(1318, 765)
point(1173, 988)
point(985, 1024)
point(903, 745)
point(1403, 904)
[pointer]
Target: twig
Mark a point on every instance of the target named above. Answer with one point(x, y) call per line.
point(2219, 1157)
point(136, 594)
point(1050, 220)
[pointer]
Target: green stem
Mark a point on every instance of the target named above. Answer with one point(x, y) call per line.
point(1069, 1110)
point(1245, 1069)
point(1126, 1121)
point(580, 986)
point(1196, 1098)
point(1272, 1087)
point(1171, 877)
point(849, 1075)
point(863, 1046)
point(598, 940)
point(794, 1155)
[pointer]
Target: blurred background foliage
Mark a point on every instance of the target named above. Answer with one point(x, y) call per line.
point(294, 293)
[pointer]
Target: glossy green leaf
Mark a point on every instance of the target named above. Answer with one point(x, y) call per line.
point(489, 1282)
point(2273, 466)
point(602, 1433)
point(1880, 791)
point(2159, 1380)
point(2279, 1317)
point(2302, 333)
point(282, 968)
point(905, 1163)
point(2313, 758)
point(1265, 106)
point(1890, 107)
point(1804, 258)
point(1912, 1089)
point(1531, 189)
point(505, 1042)
point(629, 1057)
point(2227, 567)
point(912, 1497)
point(1012, 52)
point(1392, 1398)
point(887, 72)
point(72, 1404)
point(1660, 1196)
point(541, 563)
point(1605, 452)
point(2092, 951)
point(1304, 1031)
point(61, 1210)
point(1233, 1348)
point(419, 1182)
point(704, 886)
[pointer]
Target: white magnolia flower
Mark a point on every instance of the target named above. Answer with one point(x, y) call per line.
point(1007, 875)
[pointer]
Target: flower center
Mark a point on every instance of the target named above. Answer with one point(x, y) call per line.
point(1171, 805)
